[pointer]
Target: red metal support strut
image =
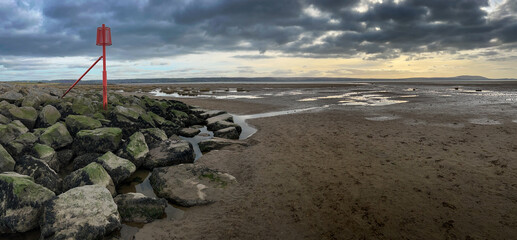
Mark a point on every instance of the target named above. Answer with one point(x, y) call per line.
point(81, 77)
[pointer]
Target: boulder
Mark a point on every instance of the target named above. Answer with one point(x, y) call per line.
point(170, 152)
point(47, 154)
point(9, 132)
point(222, 117)
point(76, 123)
point(223, 124)
point(11, 96)
point(27, 115)
point(158, 120)
point(40, 171)
point(189, 184)
point(98, 140)
point(92, 174)
point(85, 159)
point(4, 119)
point(118, 168)
point(82, 106)
point(86, 212)
point(153, 136)
point(6, 161)
point(229, 132)
point(56, 136)
point(48, 116)
point(189, 132)
point(21, 201)
point(64, 156)
point(217, 143)
point(127, 113)
point(136, 207)
point(208, 114)
point(136, 149)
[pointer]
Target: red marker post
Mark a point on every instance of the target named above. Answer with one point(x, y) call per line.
point(103, 39)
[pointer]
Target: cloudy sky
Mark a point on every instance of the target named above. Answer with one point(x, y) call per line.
point(55, 39)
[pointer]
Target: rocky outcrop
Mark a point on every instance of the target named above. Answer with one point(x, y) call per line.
point(21, 201)
point(92, 174)
point(136, 207)
point(40, 171)
point(170, 152)
point(56, 136)
point(136, 149)
point(6, 161)
point(222, 121)
point(98, 140)
point(189, 184)
point(217, 143)
point(118, 168)
point(86, 212)
point(76, 123)
point(229, 132)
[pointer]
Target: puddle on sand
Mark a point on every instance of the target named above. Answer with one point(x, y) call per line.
point(382, 118)
point(484, 121)
point(203, 135)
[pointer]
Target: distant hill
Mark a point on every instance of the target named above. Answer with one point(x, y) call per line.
point(277, 80)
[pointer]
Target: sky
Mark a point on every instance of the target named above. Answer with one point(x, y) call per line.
point(55, 39)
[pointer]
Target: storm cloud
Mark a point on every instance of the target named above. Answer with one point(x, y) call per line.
point(307, 28)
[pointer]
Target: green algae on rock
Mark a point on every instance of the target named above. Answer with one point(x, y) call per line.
point(92, 174)
point(118, 168)
point(56, 136)
point(98, 140)
point(136, 207)
point(76, 123)
point(21, 200)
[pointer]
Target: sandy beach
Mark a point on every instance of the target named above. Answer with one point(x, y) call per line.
point(427, 168)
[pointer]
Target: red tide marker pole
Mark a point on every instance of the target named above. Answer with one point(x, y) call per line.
point(104, 39)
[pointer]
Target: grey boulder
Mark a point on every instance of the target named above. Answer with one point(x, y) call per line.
point(136, 207)
point(170, 152)
point(86, 212)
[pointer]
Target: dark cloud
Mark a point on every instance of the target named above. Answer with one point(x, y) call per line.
point(307, 28)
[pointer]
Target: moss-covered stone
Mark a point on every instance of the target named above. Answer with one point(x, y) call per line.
point(27, 115)
point(92, 174)
point(42, 173)
point(136, 207)
point(6, 161)
point(4, 119)
point(56, 136)
point(21, 201)
point(86, 212)
point(76, 123)
point(98, 140)
point(47, 154)
point(153, 136)
point(128, 113)
point(82, 105)
point(157, 118)
point(9, 132)
point(137, 148)
point(118, 168)
point(179, 114)
point(48, 116)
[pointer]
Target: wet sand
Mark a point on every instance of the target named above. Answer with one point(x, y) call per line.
point(423, 170)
